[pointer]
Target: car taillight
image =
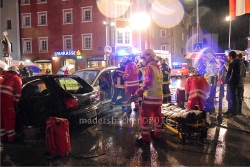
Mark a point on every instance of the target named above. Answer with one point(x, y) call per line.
point(71, 102)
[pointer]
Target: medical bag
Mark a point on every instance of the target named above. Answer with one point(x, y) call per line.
point(57, 136)
point(181, 97)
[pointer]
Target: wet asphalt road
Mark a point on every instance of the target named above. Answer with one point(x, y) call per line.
point(113, 144)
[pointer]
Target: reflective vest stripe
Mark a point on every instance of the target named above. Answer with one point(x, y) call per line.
point(6, 92)
point(5, 86)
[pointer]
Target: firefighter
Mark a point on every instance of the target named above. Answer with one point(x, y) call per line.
point(131, 82)
point(10, 91)
point(152, 98)
point(197, 87)
point(211, 72)
point(142, 67)
point(166, 71)
point(118, 86)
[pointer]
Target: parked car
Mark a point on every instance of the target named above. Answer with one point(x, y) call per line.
point(63, 96)
point(180, 70)
point(94, 76)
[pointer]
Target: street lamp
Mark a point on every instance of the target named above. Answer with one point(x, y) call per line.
point(228, 18)
point(140, 21)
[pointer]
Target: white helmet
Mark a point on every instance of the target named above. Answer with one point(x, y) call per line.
point(148, 55)
point(13, 68)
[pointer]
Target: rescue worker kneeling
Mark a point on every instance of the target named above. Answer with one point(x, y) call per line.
point(152, 98)
point(197, 87)
point(10, 92)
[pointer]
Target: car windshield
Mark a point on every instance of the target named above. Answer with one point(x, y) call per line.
point(87, 75)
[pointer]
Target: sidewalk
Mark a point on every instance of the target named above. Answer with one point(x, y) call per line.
point(239, 122)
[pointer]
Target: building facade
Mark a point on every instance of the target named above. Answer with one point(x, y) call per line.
point(9, 13)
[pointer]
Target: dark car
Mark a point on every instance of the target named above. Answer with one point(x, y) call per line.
point(63, 96)
point(96, 77)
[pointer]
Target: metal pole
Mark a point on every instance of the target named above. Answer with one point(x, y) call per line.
point(197, 20)
point(229, 37)
point(221, 95)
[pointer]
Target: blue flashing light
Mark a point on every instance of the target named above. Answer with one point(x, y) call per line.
point(122, 52)
point(175, 63)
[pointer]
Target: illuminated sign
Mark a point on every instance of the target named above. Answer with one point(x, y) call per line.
point(65, 53)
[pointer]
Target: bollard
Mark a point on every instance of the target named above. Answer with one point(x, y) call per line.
point(221, 95)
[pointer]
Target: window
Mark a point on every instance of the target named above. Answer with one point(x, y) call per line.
point(42, 18)
point(86, 41)
point(163, 33)
point(26, 20)
point(67, 16)
point(25, 2)
point(41, 1)
point(122, 9)
point(127, 14)
point(27, 45)
point(163, 47)
point(8, 24)
point(67, 42)
point(124, 36)
point(204, 41)
point(43, 44)
point(86, 14)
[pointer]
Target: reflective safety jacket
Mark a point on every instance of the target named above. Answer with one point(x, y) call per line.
point(197, 86)
point(131, 75)
point(166, 71)
point(141, 75)
point(152, 85)
point(118, 77)
point(10, 89)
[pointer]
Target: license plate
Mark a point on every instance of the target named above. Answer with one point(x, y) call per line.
point(91, 114)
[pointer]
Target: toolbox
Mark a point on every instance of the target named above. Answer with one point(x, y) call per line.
point(185, 123)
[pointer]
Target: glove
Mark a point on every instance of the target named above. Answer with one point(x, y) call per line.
point(132, 99)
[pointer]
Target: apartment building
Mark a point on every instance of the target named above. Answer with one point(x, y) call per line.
point(9, 14)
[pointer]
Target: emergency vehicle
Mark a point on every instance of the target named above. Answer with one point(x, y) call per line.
point(177, 69)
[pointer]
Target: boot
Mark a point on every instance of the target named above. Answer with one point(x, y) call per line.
point(208, 118)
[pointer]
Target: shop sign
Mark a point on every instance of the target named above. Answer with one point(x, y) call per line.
point(65, 53)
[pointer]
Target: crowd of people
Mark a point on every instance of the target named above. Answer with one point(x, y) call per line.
point(146, 83)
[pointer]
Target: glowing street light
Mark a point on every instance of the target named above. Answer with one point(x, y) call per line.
point(228, 18)
point(140, 21)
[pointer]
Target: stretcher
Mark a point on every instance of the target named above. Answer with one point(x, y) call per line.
point(185, 123)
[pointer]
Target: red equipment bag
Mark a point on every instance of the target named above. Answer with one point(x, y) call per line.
point(181, 97)
point(57, 136)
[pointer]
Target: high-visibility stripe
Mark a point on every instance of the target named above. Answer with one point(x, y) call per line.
point(5, 86)
point(2, 134)
point(158, 130)
point(10, 131)
point(238, 7)
point(6, 92)
point(151, 102)
point(1, 130)
point(158, 125)
point(145, 127)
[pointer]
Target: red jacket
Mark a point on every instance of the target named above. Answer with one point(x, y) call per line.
point(197, 86)
point(10, 88)
point(131, 75)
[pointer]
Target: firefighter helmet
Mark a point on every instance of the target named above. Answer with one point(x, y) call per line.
point(148, 55)
point(13, 68)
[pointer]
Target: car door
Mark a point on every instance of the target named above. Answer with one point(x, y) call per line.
point(104, 82)
point(34, 102)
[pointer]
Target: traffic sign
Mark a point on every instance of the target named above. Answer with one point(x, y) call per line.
point(197, 47)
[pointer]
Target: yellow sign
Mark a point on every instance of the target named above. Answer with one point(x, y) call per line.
point(69, 84)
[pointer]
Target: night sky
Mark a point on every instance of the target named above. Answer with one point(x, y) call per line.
point(212, 14)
